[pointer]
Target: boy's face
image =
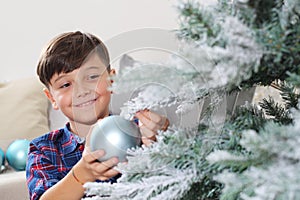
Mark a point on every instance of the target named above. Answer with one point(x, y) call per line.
point(82, 94)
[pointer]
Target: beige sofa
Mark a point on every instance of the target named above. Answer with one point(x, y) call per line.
point(25, 114)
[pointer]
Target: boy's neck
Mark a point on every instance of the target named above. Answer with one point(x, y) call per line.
point(80, 129)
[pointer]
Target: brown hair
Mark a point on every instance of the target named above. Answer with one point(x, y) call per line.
point(67, 52)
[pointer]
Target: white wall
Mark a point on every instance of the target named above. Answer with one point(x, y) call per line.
point(26, 26)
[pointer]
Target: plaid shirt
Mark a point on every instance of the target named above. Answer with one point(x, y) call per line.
point(50, 158)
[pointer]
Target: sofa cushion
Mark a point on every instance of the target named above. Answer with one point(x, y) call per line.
point(23, 108)
point(13, 186)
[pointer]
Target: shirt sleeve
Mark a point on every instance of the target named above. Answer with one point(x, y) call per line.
point(40, 173)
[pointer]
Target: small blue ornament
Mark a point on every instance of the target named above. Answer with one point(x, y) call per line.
point(115, 135)
point(16, 154)
point(2, 157)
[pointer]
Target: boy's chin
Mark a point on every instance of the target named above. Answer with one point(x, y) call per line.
point(87, 119)
point(87, 122)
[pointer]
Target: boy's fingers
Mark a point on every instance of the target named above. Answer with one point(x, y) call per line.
point(146, 132)
point(147, 141)
point(161, 122)
point(111, 162)
point(109, 173)
point(144, 120)
point(92, 156)
point(156, 118)
point(108, 164)
point(100, 168)
point(149, 119)
point(103, 171)
point(165, 125)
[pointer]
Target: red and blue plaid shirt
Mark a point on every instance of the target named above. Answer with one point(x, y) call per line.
point(50, 158)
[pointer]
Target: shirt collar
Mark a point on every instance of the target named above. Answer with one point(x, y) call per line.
point(70, 141)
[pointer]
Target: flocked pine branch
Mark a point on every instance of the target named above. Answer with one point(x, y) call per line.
point(169, 185)
point(179, 158)
point(274, 22)
point(276, 111)
point(289, 94)
point(247, 116)
point(167, 169)
point(275, 161)
point(278, 32)
point(280, 111)
point(294, 78)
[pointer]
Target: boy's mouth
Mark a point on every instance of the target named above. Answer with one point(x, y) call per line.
point(86, 103)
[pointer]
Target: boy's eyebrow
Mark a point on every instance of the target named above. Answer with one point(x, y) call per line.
point(96, 67)
point(92, 67)
point(59, 77)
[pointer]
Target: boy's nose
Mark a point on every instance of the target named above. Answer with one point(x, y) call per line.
point(81, 90)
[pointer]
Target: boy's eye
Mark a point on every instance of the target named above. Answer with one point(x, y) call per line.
point(65, 85)
point(94, 76)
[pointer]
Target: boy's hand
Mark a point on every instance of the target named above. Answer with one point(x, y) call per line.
point(89, 169)
point(150, 123)
point(98, 170)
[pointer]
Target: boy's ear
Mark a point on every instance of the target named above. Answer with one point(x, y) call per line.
point(112, 72)
point(51, 99)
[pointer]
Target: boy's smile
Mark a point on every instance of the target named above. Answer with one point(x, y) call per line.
point(87, 103)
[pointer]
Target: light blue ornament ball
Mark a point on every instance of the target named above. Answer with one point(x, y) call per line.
point(2, 157)
point(115, 135)
point(16, 154)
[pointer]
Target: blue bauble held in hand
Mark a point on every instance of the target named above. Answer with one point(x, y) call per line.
point(115, 135)
point(16, 154)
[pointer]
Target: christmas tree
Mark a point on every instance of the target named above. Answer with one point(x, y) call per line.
point(227, 46)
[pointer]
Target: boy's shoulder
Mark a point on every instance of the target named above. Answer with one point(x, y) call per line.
point(50, 137)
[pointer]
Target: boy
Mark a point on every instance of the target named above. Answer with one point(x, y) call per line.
point(75, 69)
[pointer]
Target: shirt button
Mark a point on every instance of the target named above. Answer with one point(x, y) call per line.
point(81, 147)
